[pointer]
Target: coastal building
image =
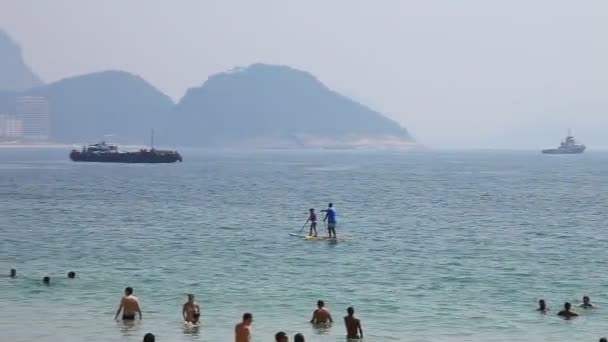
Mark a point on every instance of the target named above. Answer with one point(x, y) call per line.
point(33, 111)
point(10, 126)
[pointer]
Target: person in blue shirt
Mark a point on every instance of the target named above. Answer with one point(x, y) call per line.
point(332, 219)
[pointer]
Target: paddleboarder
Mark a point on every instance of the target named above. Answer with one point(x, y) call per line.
point(332, 219)
point(312, 218)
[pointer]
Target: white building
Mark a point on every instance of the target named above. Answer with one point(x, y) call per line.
point(33, 111)
point(10, 126)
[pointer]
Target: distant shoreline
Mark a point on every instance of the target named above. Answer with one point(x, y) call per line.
point(7, 146)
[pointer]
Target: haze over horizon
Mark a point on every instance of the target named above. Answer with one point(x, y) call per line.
point(465, 74)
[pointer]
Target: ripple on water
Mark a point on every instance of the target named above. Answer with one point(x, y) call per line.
point(443, 246)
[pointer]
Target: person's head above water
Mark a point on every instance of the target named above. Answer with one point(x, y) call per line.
point(542, 305)
point(567, 305)
point(586, 300)
point(71, 275)
point(330, 205)
point(312, 210)
point(603, 339)
point(149, 337)
point(190, 297)
point(46, 280)
point(13, 273)
point(298, 338)
point(128, 291)
point(350, 311)
point(247, 317)
point(280, 337)
point(320, 303)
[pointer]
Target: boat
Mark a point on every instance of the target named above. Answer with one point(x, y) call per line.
point(568, 146)
point(109, 153)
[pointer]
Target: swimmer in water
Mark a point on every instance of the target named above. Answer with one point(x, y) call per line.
point(567, 313)
point(149, 337)
point(603, 339)
point(353, 325)
point(242, 331)
point(281, 337)
point(298, 338)
point(71, 275)
point(13, 273)
point(129, 305)
point(321, 315)
point(46, 280)
point(191, 311)
point(586, 303)
point(542, 306)
point(312, 218)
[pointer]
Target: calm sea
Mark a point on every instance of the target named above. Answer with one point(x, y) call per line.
point(439, 246)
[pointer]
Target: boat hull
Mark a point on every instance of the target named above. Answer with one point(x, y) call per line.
point(563, 151)
point(127, 157)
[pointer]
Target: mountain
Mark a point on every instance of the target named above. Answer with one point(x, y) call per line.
point(277, 106)
point(15, 75)
point(85, 108)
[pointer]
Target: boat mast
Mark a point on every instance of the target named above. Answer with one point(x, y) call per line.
point(152, 140)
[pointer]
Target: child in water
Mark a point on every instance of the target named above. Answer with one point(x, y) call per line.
point(312, 217)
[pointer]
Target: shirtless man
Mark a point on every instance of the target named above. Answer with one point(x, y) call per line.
point(567, 313)
point(129, 305)
point(353, 325)
point(321, 315)
point(191, 311)
point(242, 331)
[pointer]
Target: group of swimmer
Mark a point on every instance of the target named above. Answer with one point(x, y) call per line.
point(331, 217)
point(191, 314)
point(130, 308)
point(321, 317)
point(46, 280)
point(567, 311)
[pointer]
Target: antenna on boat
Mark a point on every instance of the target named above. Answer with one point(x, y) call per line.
point(152, 140)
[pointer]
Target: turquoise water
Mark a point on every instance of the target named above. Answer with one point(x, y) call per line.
point(440, 246)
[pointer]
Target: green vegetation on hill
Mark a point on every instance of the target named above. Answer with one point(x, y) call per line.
point(15, 75)
point(277, 103)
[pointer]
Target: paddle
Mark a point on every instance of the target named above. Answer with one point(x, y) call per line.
point(300, 232)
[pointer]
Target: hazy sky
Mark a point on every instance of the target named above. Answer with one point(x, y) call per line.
point(461, 73)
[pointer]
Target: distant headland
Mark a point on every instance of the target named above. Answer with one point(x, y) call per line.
point(259, 106)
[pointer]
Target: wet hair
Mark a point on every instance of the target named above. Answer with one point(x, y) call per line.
point(298, 338)
point(280, 335)
point(320, 303)
point(129, 291)
point(311, 209)
point(247, 316)
point(603, 339)
point(331, 205)
point(586, 298)
point(542, 304)
point(13, 273)
point(46, 280)
point(149, 337)
point(567, 305)
point(350, 310)
point(71, 275)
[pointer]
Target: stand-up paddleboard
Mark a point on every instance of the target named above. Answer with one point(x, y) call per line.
point(313, 238)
